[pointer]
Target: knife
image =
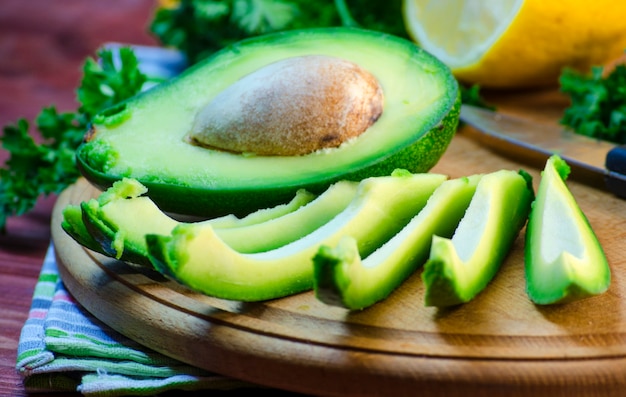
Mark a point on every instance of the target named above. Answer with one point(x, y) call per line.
point(592, 161)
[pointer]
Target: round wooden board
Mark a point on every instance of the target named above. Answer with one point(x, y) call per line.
point(498, 343)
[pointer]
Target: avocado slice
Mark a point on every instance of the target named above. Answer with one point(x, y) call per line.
point(342, 279)
point(72, 223)
point(119, 222)
point(564, 260)
point(146, 137)
point(101, 235)
point(301, 198)
point(196, 257)
point(461, 267)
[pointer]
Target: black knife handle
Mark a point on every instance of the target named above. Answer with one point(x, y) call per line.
point(616, 171)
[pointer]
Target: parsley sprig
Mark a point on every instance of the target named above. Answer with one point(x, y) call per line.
point(598, 103)
point(47, 166)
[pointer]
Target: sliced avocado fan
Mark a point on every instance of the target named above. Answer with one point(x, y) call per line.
point(116, 223)
point(196, 257)
point(564, 260)
point(461, 267)
point(343, 279)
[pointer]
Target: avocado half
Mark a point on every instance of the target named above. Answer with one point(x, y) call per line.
point(145, 137)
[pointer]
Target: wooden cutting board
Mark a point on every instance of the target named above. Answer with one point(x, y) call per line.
point(498, 344)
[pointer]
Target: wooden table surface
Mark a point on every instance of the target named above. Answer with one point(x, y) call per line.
point(43, 45)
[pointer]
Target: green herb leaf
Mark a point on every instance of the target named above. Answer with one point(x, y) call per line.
point(105, 85)
point(262, 16)
point(47, 166)
point(471, 96)
point(598, 103)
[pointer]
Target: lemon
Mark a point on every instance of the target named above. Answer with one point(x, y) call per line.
point(518, 43)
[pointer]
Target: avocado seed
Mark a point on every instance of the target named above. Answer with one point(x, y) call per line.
point(291, 107)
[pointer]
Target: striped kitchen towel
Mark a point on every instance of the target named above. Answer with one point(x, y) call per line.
point(64, 348)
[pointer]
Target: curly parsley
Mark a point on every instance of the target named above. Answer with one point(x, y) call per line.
point(598, 103)
point(35, 169)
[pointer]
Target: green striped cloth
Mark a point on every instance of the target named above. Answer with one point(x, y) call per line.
point(64, 348)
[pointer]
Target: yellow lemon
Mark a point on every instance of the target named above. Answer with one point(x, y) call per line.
point(518, 43)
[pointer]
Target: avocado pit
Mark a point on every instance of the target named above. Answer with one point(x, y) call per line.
point(291, 107)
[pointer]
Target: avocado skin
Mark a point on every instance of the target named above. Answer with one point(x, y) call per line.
point(177, 196)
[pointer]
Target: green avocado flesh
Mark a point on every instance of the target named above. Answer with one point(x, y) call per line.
point(120, 218)
point(198, 258)
point(461, 267)
point(342, 279)
point(564, 260)
point(145, 137)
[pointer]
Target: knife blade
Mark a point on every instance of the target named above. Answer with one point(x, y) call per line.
point(592, 161)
